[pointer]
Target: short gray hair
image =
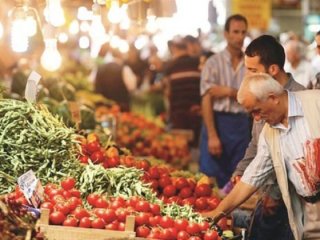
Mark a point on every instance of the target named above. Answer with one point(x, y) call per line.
point(259, 85)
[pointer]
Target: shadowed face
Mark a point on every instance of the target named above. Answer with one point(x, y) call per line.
point(266, 110)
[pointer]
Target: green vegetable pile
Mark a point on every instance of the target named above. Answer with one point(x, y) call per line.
point(31, 138)
point(120, 181)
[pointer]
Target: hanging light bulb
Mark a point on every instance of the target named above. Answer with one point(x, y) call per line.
point(97, 30)
point(51, 58)
point(114, 14)
point(54, 13)
point(19, 34)
point(74, 27)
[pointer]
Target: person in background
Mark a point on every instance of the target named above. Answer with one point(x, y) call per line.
point(182, 90)
point(115, 80)
point(297, 65)
point(266, 55)
point(226, 130)
point(286, 148)
point(194, 47)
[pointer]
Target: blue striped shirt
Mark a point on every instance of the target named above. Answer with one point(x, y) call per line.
point(292, 140)
point(218, 71)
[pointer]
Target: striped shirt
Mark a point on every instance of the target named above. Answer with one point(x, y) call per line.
point(218, 71)
point(292, 140)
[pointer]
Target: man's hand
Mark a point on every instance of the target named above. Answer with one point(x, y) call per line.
point(214, 145)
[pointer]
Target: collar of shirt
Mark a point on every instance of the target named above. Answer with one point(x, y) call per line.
point(294, 110)
point(227, 56)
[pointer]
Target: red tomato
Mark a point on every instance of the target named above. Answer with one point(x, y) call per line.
point(169, 191)
point(62, 207)
point(75, 192)
point(113, 226)
point(84, 159)
point(93, 146)
point(210, 235)
point(132, 202)
point(193, 228)
point(154, 184)
point(48, 188)
point(85, 222)
point(54, 191)
point(113, 162)
point(189, 201)
point(164, 181)
point(70, 222)
point(97, 157)
point(74, 202)
point(57, 218)
point(101, 203)
point(47, 205)
point(110, 215)
point(185, 192)
point(57, 199)
point(121, 226)
point(122, 214)
point(204, 226)
point(142, 231)
point(80, 213)
point(183, 235)
point(175, 199)
point(201, 203)
point(181, 183)
point(117, 204)
point(213, 203)
point(203, 190)
point(166, 222)
point(92, 199)
point(192, 183)
point(154, 221)
point(98, 223)
point(144, 164)
point(154, 172)
point(155, 209)
point(181, 224)
point(68, 183)
point(142, 219)
point(66, 194)
point(223, 223)
point(142, 206)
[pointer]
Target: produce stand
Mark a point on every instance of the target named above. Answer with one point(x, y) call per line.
point(52, 232)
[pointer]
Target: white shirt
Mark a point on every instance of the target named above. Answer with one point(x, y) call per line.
point(304, 73)
point(292, 140)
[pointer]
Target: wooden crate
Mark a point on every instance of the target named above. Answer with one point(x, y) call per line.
point(53, 232)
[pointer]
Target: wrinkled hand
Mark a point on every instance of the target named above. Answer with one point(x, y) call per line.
point(270, 205)
point(215, 146)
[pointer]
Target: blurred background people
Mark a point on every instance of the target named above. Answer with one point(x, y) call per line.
point(298, 65)
point(114, 79)
point(182, 89)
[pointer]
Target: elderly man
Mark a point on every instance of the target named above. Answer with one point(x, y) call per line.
point(288, 146)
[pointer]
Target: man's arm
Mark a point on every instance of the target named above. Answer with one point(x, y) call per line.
point(214, 144)
point(251, 150)
point(223, 91)
point(239, 194)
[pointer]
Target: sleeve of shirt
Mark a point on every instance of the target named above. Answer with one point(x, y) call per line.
point(130, 79)
point(251, 150)
point(208, 76)
point(261, 167)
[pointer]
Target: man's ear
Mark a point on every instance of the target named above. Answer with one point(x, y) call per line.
point(273, 69)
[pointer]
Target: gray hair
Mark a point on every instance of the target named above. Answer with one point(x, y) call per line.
point(259, 85)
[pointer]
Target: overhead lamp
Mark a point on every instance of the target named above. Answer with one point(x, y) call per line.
point(54, 13)
point(51, 59)
point(24, 24)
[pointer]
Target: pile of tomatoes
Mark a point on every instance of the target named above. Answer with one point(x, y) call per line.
point(181, 190)
point(67, 209)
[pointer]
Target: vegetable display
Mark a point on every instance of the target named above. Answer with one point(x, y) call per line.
point(32, 138)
